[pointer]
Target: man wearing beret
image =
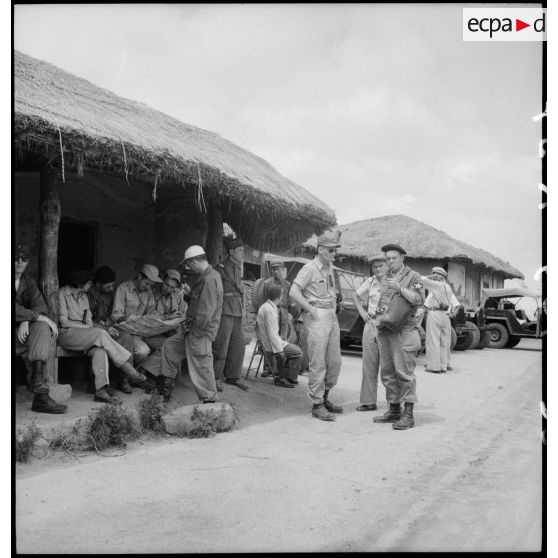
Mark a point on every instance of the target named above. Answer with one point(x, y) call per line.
point(370, 351)
point(440, 302)
point(398, 348)
point(35, 332)
point(314, 290)
point(229, 345)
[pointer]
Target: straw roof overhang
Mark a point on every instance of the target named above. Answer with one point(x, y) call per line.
point(81, 127)
point(363, 240)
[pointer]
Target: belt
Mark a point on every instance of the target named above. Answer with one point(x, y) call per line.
point(233, 294)
point(325, 305)
point(441, 309)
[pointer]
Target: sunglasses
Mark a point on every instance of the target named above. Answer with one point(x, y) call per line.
point(24, 259)
point(332, 250)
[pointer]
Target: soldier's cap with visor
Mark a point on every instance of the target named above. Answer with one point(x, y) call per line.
point(232, 243)
point(378, 258)
point(22, 250)
point(173, 274)
point(277, 262)
point(393, 246)
point(440, 271)
point(330, 240)
point(151, 272)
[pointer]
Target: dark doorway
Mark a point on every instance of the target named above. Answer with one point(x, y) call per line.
point(76, 246)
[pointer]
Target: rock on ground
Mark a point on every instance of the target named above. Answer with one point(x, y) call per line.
point(186, 420)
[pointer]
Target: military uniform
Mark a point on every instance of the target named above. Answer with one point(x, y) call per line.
point(229, 345)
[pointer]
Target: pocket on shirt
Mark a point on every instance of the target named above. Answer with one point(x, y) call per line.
point(200, 346)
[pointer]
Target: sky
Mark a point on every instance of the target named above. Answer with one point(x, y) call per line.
point(376, 109)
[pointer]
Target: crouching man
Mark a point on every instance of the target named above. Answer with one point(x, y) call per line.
point(35, 333)
point(288, 356)
point(196, 335)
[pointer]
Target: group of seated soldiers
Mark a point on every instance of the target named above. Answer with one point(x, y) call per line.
point(96, 319)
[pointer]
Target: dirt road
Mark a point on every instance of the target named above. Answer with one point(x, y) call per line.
point(467, 478)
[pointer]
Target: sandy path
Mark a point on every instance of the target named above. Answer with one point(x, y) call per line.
point(468, 477)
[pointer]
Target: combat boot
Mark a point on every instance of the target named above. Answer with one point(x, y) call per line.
point(393, 414)
point(150, 384)
point(330, 406)
point(407, 420)
point(322, 413)
point(43, 403)
point(128, 370)
point(166, 388)
point(37, 384)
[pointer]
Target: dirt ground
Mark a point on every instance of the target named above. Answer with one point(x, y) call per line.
point(467, 478)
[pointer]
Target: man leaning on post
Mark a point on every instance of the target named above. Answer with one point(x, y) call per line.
point(35, 332)
point(314, 290)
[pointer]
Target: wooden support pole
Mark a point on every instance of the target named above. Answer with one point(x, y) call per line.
point(214, 243)
point(50, 210)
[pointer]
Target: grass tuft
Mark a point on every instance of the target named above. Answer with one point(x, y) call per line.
point(25, 442)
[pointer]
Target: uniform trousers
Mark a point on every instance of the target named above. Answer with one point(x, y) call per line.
point(370, 365)
point(135, 345)
point(438, 339)
point(229, 347)
point(38, 346)
point(198, 352)
point(293, 358)
point(153, 362)
point(397, 361)
point(99, 345)
point(324, 352)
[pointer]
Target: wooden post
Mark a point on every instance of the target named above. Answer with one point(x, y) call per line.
point(50, 210)
point(214, 243)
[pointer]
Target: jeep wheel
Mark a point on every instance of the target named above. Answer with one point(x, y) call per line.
point(255, 295)
point(465, 340)
point(513, 341)
point(476, 334)
point(499, 336)
point(453, 339)
point(484, 340)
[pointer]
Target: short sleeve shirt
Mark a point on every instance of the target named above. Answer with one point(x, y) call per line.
point(370, 289)
point(72, 305)
point(316, 282)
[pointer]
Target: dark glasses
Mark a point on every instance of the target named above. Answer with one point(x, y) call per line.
point(24, 259)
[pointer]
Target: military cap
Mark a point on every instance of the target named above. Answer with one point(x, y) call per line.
point(378, 258)
point(22, 250)
point(277, 263)
point(329, 241)
point(193, 252)
point(151, 272)
point(173, 274)
point(440, 271)
point(232, 243)
point(393, 246)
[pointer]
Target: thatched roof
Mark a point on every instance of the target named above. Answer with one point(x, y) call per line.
point(99, 131)
point(364, 239)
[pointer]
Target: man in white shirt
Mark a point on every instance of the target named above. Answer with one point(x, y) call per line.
point(370, 290)
point(440, 302)
point(287, 355)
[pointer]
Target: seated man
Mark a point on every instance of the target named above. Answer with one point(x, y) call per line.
point(35, 333)
point(135, 298)
point(78, 334)
point(288, 356)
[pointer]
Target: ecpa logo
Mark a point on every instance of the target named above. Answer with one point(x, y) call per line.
point(504, 24)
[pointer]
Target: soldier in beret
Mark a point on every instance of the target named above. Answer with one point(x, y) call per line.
point(229, 345)
point(398, 349)
point(314, 290)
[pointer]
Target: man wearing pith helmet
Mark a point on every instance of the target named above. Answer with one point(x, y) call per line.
point(314, 290)
point(398, 336)
point(199, 330)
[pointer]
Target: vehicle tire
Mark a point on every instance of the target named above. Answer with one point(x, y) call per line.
point(453, 339)
point(422, 335)
point(513, 341)
point(255, 295)
point(476, 334)
point(465, 341)
point(499, 335)
point(484, 339)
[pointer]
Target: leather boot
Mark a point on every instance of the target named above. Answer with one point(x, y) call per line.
point(128, 370)
point(37, 384)
point(150, 384)
point(125, 385)
point(166, 388)
point(320, 412)
point(43, 403)
point(393, 414)
point(330, 406)
point(407, 420)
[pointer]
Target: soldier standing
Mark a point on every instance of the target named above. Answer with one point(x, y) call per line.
point(229, 345)
point(398, 349)
point(314, 290)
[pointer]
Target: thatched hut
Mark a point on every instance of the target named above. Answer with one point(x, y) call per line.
point(100, 179)
point(469, 269)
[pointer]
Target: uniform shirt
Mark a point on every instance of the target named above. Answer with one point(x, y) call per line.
point(371, 289)
point(233, 289)
point(204, 311)
point(408, 279)
point(174, 301)
point(29, 302)
point(128, 300)
point(439, 294)
point(72, 305)
point(100, 304)
point(268, 328)
point(317, 284)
